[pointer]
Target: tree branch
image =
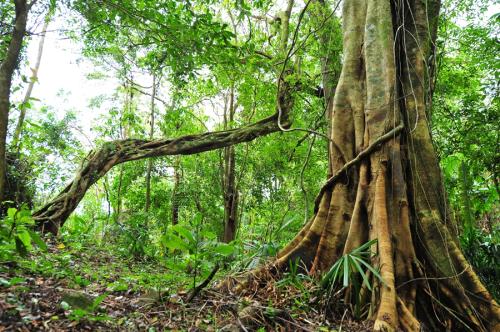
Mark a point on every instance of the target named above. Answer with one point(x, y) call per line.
point(53, 215)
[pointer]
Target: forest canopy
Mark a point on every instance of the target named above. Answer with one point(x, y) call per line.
point(249, 165)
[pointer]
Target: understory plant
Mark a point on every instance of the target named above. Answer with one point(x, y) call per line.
point(17, 235)
point(353, 271)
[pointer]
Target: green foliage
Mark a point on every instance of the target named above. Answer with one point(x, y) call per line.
point(295, 278)
point(47, 138)
point(21, 186)
point(79, 307)
point(178, 35)
point(198, 249)
point(346, 271)
point(465, 125)
point(466, 114)
point(135, 235)
point(482, 250)
point(17, 235)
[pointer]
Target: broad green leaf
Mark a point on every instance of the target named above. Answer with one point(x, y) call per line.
point(25, 237)
point(224, 249)
point(184, 232)
point(16, 280)
point(173, 242)
point(346, 272)
point(20, 247)
point(38, 240)
point(11, 212)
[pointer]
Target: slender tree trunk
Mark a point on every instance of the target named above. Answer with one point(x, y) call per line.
point(108, 203)
point(151, 134)
point(229, 184)
point(386, 181)
point(7, 67)
point(34, 78)
point(119, 204)
point(125, 128)
point(175, 190)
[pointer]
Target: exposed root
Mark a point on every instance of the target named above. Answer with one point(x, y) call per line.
point(387, 318)
point(379, 211)
point(406, 319)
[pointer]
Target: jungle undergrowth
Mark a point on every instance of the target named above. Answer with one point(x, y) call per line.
point(109, 282)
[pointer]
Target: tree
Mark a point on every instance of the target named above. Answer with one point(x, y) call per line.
point(229, 189)
point(151, 136)
point(33, 79)
point(385, 181)
point(7, 66)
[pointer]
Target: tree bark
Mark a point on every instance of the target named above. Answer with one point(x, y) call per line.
point(175, 190)
point(151, 135)
point(229, 178)
point(387, 183)
point(7, 67)
point(33, 79)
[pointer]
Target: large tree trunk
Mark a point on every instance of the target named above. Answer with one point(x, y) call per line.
point(386, 182)
point(7, 67)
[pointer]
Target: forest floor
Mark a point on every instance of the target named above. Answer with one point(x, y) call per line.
point(79, 290)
